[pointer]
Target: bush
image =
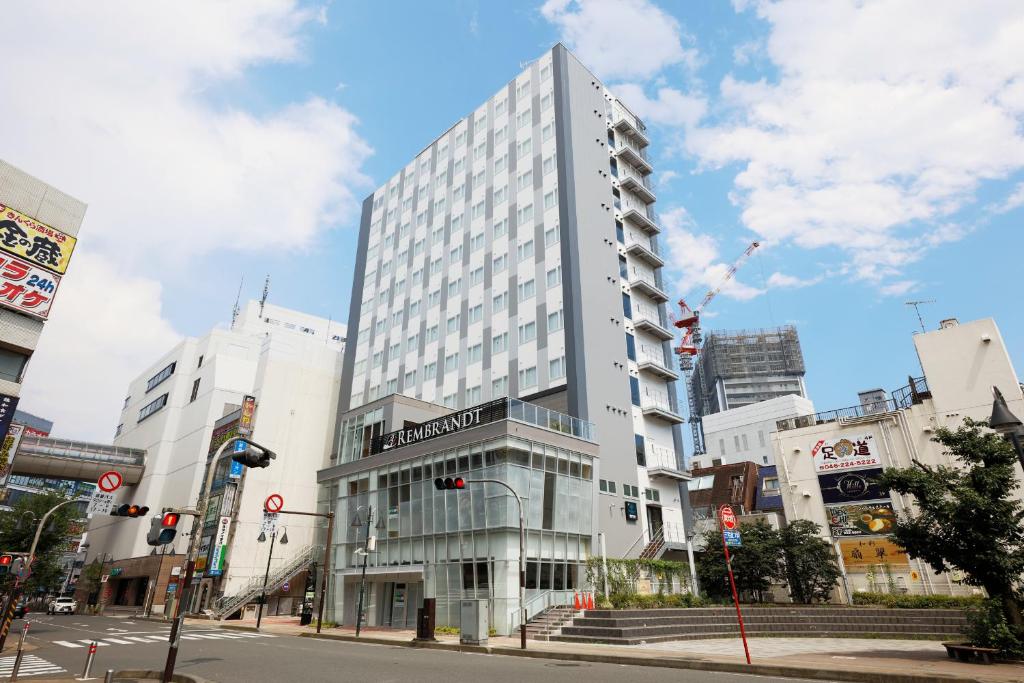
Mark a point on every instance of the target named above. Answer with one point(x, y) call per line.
point(987, 627)
point(918, 601)
point(635, 601)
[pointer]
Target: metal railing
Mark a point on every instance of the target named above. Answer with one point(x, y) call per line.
point(81, 450)
point(656, 357)
point(224, 606)
point(643, 311)
point(656, 402)
point(540, 602)
point(659, 456)
point(902, 398)
point(521, 411)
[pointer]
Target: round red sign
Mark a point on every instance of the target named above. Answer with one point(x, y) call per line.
point(728, 517)
point(274, 503)
point(109, 481)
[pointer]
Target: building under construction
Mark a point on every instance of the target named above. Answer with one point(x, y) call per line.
point(735, 369)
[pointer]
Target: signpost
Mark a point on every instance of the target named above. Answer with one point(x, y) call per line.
point(274, 503)
point(727, 524)
point(110, 481)
point(102, 500)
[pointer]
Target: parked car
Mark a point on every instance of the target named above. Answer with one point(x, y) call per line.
point(20, 610)
point(62, 606)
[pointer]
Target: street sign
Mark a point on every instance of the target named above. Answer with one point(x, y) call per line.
point(287, 586)
point(220, 547)
point(236, 467)
point(732, 539)
point(248, 410)
point(103, 579)
point(269, 525)
point(101, 503)
point(274, 503)
point(728, 517)
point(109, 481)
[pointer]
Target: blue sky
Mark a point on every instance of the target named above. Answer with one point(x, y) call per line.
point(875, 148)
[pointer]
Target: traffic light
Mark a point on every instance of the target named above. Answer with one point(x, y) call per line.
point(5, 563)
point(162, 530)
point(128, 510)
point(251, 457)
point(449, 483)
point(18, 567)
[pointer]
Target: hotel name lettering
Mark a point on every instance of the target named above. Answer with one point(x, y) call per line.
point(449, 424)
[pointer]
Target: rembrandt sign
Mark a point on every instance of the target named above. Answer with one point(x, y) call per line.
point(449, 424)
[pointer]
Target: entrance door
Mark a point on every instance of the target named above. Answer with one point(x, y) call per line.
point(654, 521)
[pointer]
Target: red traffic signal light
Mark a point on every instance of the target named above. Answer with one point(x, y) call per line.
point(5, 563)
point(162, 530)
point(127, 510)
point(449, 483)
point(170, 519)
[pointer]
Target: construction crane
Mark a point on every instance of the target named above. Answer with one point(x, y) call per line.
point(689, 322)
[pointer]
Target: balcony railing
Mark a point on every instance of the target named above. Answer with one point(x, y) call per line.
point(904, 397)
point(521, 411)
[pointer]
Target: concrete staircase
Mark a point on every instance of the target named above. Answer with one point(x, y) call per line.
point(632, 627)
point(550, 622)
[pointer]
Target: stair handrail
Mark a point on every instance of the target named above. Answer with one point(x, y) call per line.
point(282, 573)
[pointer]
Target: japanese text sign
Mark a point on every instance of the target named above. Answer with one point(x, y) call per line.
point(861, 554)
point(860, 520)
point(9, 447)
point(844, 454)
point(26, 288)
point(36, 242)
point(248, 411)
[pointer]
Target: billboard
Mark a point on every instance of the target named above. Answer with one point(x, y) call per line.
point(248, 411)
point(220, 547)
point(850, 487)
point(8, 448)
point(26, 288)
point(862, 554)
point(844, 454)
point(8, 404)
point(35, 242)
point(860, 520)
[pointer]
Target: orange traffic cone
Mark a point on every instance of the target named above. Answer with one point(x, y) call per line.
point(576, 600)
point(590, 601)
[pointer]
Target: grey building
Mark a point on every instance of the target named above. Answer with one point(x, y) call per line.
point(517, 255)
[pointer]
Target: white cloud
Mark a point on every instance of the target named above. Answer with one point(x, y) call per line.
point(1016, 199)
point(885, 118)
point(127, 106)
point(782, 280)
point(620, 38)
point(694, 260)
point(670, 107)
point(898, 288)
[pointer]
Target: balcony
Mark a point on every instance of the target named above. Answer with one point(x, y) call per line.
point(646, 319)
point(632, 156)
point(661, 462)
point(643, 251)
point(654, 364)
point(625, 124)
point(659, 407)
point(636, 185)
point(642, 284)
point(637, 215)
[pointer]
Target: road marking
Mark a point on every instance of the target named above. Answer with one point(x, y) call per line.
point(117, 641)
point(66, 643)
point(90, 641)
point(30, 666)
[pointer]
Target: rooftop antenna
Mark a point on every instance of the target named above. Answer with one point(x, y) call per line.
point(917, 309)
point(238, 297)
point(266, 292)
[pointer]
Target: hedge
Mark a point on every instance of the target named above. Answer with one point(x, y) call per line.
point(636, 601)
point(918, 601)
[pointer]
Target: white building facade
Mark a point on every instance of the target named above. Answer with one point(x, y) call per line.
point(827, 462)
point(517, 256)
point(290, 362)
point(744, 434)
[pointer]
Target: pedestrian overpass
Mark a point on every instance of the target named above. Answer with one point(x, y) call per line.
point(43, 456)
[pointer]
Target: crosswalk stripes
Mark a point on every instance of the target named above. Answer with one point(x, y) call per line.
point(159, 638)
point(30, 666)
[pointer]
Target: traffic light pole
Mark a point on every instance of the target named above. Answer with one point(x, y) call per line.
point(193, 552)
point(327, 557)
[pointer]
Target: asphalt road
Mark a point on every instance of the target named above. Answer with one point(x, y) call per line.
point(237, 657)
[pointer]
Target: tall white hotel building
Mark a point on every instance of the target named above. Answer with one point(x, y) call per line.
point(516, 256)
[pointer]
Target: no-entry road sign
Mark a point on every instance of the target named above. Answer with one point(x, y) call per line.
point(274, 503)
point(728, 517)
point(109, 481)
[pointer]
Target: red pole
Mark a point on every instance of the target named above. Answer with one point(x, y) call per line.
point(732, 583)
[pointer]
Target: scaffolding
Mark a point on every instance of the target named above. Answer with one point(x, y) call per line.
point(747, 354)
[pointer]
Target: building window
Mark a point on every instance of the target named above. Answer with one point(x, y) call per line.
point(527, 332)
point(620, 233)
point(771, 484)
point(475, 353)
point(606, 486)
point(476, 277)
point(557, 368)
point(634, 390)
point(152, 407)
point(499, 303)
point(652, 495)
point(760, 437)
point(476, 243)
point(555, 277)
point(453, 323)
point(527, 290)
point(451, 362)
point(200, 363)
point(159, 377)
point(525, 250)
point(120, 428)
point(548, 165)
point(715, 462)
point(641, 453)
point(499, 342)
point(721, 446)
point(12, 366)
point(410, 379)
point(432, 334)
point(476, 314)
point(630, 346)
point(623, 269)
point(746, 447)
point(499, 263)
point(527, 378)
point(450, 400)
point(500, 227)
point(430, 371)
point(473, 396)
point(736, 442)
point(499, 387)
point(556, 321)
point(524, 215)
point(195, 390)
point(627, 306)
point(630, 491)
point(551, 236)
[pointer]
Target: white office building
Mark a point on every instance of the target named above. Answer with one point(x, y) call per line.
point(180, 410)
point(744, 434)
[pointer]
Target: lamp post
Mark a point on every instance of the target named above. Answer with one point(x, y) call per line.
point(266, 576)
point(1006, 423)
point(329, 516)
point(366, 555)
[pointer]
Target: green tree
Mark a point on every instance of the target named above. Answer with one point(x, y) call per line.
point(755, 565)
point(811, 568)
point(968, 518)
point(18, 527)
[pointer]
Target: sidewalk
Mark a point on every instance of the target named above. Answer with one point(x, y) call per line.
point(846, 659)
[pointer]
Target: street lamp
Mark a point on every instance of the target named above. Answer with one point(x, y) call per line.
point(266, 576)
point(1006, 423)
point(366, 554)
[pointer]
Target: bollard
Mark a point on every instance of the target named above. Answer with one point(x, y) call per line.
point(88, 660)
point(21, 647)
point(109, 678)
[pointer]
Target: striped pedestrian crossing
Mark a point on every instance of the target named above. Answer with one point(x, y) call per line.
point(30, 666)
point(159, 638)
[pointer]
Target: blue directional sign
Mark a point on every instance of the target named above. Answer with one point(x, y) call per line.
point(732, 539)
point(237, 467)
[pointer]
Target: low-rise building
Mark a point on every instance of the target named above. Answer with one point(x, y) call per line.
point(744, 434)
point(828, 462)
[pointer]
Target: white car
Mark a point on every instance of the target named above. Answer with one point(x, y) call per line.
point(62, 606)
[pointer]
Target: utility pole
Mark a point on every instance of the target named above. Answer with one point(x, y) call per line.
point(917, 309)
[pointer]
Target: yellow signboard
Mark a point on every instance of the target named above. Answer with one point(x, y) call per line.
point(863, 553)
point(36, 242)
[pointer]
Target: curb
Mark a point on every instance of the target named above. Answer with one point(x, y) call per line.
point(777, 670)
point(158, 675)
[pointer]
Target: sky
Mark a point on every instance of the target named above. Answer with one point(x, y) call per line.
point(875, 148)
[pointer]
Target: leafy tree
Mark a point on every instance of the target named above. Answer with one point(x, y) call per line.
point(811, 568)
point(18, 528)
point(968, 518)
point(755, 565)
